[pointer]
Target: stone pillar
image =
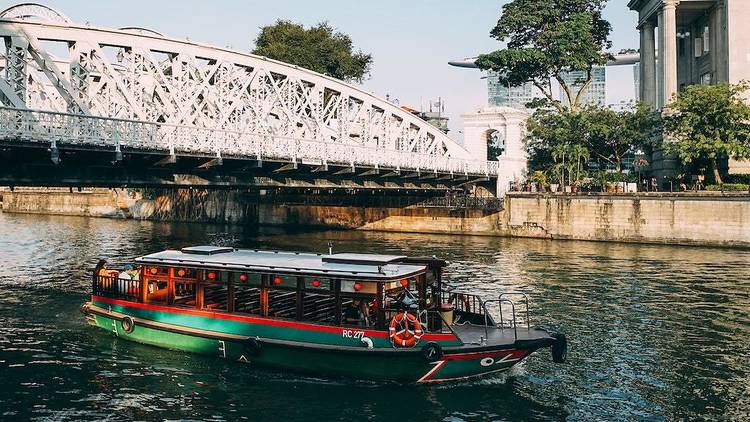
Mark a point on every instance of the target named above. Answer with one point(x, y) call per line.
point(513, 163)
point(668, 51)
point(648, 64)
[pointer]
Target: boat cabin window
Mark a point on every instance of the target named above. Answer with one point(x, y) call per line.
point(185, 286)
point(318, 300)
point(359, 303)
point(215, 290)
point(282, 296)
point(157, 285)
point(247, 292)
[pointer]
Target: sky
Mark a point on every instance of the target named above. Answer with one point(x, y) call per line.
point(411, 41)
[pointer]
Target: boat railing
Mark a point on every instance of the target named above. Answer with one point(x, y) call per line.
point(431, 318)
point(112, 286)
point(464, 302)
point(504, 302)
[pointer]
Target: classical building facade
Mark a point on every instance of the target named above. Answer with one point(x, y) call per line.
point(687, 42)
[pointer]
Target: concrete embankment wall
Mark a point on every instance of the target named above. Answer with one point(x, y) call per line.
point(172, 205)
point(417, 220)
point(720, 220)
point(89, 203)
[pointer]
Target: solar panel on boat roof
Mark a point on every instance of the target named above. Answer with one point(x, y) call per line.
point(206, 250)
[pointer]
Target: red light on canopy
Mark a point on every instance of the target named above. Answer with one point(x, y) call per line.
point(181, 272)
point(404, 282)
point(243, 277)
point(277, 280)
point(357, 286)
point(211, 275)
point(316, 283)
point(154, 270)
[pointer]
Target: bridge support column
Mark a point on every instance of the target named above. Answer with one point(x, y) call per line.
point(79, 72)
point(496, 133)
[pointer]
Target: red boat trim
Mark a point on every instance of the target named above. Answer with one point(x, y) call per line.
point(254, 320)
point(512, 355)
point(428, 376)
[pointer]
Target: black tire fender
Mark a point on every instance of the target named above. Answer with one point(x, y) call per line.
point(127, 324)
point(559, 348)
point(253, 346)
point(432, 352)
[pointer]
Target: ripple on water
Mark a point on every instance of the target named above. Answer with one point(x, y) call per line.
point(655, 332)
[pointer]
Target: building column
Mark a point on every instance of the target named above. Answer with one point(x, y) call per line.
point(668, 50)
point(648, 64)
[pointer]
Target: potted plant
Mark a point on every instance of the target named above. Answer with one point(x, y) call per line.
point(540, 178)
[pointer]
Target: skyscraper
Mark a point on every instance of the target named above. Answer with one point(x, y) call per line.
point(502, 95)
point(596, 93)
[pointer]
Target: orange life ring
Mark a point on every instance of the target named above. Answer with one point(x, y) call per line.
point(405, 330)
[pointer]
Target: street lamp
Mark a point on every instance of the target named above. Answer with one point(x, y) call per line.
point(639, 163)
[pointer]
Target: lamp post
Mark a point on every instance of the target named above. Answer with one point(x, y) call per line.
point(639, 163)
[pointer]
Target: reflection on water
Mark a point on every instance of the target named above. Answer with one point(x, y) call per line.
point(655, 332)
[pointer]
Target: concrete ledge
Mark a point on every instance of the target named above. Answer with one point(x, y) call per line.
point(683, 218)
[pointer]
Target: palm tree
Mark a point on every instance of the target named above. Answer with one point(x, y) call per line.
point(580, 154)
point(558, 154)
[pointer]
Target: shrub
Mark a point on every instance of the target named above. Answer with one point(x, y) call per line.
point(738, 178)
point(730, 187)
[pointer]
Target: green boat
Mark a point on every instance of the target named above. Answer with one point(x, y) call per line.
point(364, 316)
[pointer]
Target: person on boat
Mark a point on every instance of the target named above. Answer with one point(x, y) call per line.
point(351, 312)
point(101, 274)
point(101, 268)
point(129, 272)
point(357, 313)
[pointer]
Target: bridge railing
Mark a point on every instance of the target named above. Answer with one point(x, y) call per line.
point(64, 128)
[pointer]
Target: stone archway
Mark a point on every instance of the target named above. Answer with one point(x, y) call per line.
point(495, 143)
point(504, 128)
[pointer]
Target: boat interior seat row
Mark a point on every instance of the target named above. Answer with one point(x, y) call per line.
point(282, 304)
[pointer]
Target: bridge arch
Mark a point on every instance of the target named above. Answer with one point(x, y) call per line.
point(139, 75)
point(34, 11)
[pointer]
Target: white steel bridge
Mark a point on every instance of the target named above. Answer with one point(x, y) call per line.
point(131, 90)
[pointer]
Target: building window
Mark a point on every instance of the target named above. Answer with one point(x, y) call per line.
point(698, 52)
point(706, 40)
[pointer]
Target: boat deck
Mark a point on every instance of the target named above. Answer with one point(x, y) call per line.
point(494, 336)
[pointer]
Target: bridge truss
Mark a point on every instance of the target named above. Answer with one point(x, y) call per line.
point(133, 89)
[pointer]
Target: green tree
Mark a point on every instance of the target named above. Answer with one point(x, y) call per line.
point(319, 48)
point(547, 130)
point(610, 135)
point(708, 122)
point(544, 39)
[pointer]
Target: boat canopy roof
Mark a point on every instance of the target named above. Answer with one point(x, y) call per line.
point(369, 266)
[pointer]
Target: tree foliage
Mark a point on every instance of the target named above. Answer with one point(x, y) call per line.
point(708, 122)
point(319, 48)
point(611, 134)
point(573, 138)
point(544, 39)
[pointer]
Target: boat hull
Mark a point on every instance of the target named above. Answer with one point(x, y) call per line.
point(248, 343)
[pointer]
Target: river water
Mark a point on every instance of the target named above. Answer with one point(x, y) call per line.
point(655, 332)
